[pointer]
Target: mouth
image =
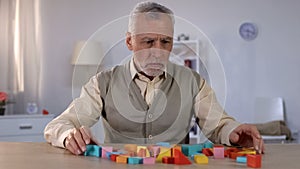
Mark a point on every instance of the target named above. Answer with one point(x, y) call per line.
point(155, 65)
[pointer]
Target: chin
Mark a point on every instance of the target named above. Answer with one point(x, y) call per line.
point(155, 72)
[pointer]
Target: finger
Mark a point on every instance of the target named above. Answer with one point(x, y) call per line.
point(71, 145)
point(262, 146)
point(85, 134)
point(234, 137)
point(79, 140)
point(258, 145)
point(90, 136)
point(257, 140)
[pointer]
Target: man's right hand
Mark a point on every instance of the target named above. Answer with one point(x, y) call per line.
point(77, 140)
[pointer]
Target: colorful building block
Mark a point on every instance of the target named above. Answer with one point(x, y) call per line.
point(193, 156)
point(241, 159)
point(121, 159)
point(105, 150)
point(201, 159)
point(253, 152)
point(208, 144)
point(164, 152)
point(93, 150)
point(207, 151)
point(168, 160)
point(163, 144)
point(189, 150)
point(130, 148)
point(142, 151)
point(107, 155)
point(154, 150)
point(218, 152)
point(229, 150)
point(113, 157)
point(149, 160)
point(234, 155)
point(180, 158)
point(135, 160)
point(176, 148)
point(254, 161)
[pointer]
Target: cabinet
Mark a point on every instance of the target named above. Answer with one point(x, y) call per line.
point(187, 53)
point(23, 128)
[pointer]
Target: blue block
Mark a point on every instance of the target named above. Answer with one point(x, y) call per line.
point(208, 144)
point(189, 150)
point(242, 159)
point(163, 144)
point(195, 149)
point(185, 149)
point(135, 160)
point(108, 154)
point(93, 150)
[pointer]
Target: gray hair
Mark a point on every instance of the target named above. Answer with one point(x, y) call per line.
point(151, 9)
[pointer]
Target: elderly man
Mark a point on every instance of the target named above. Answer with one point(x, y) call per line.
point(148, 99)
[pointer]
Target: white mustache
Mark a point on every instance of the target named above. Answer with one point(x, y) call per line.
point(155, 64)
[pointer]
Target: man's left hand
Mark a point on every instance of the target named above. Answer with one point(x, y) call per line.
point(247, 135)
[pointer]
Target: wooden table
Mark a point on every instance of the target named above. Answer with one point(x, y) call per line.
point(44, 156)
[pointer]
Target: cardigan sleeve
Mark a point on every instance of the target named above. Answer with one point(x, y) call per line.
point(83, 111)
point(214, 122)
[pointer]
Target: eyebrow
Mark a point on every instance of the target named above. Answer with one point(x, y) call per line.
point(164, 38)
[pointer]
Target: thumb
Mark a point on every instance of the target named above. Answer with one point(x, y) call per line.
point(89, 137)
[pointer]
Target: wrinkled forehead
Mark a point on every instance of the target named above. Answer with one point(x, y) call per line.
point(153, 23)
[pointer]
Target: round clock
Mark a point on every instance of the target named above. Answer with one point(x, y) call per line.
point(248, 31)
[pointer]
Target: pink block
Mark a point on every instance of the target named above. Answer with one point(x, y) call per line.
point(155, 150)
point(219, 152)
point(106, 149)
point(149, 160)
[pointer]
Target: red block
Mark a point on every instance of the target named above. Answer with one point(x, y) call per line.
point(113, 157)
point(229, 150)
point(207, 152)
point(254, 161)
point(180, 159)
point(234, 155)
point(168, 160)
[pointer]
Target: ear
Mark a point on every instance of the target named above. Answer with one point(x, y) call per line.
point(129, 41)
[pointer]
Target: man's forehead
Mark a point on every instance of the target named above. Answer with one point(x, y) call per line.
point(162, 25)
point(152, 35)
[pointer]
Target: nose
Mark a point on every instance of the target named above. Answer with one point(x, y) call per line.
point(156, 52)
point(157, 49)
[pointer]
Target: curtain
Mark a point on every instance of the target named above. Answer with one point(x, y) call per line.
point(20, 49)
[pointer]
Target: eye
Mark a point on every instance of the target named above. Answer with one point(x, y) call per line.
point(150, 41)
point(165, 41)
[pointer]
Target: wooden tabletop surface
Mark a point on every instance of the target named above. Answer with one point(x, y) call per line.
point(44, 156)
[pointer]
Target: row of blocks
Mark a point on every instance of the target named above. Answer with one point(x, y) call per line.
point(161, 152)
point(177, 155)
point(247, 156)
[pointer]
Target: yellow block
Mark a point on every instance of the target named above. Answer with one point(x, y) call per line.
point(121, 159)
point(145, 148)
point(164, 152)
point(130, 148)
point(201, 159)
point(248, 152)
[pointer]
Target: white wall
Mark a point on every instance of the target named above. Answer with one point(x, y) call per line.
point(267, 66)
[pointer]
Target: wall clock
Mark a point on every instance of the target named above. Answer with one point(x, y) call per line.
point(248, 31)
